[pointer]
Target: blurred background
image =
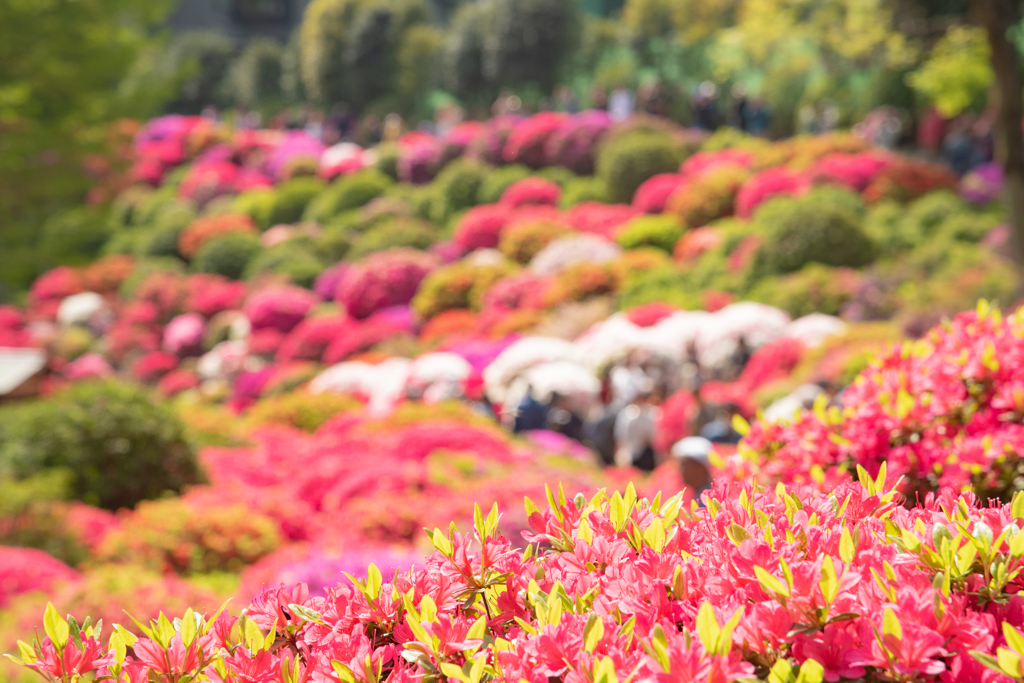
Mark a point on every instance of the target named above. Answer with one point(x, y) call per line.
point(915, 72)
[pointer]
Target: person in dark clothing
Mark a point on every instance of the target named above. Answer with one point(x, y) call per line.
point(720, 430)
point(531, 414)
point(562, 419)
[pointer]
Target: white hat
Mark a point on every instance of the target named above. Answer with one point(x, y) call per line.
point(692, 448)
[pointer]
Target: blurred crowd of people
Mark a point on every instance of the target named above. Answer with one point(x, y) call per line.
point(622, 426)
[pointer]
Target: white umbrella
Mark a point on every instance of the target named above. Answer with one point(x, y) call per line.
point(562, 377)
point(812, 330)
point(438, 367)
point(521, 355)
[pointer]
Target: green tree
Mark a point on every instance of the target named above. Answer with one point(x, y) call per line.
point(527, 40)
point(61, 65)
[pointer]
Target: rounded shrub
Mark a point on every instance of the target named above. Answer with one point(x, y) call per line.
point(459, 285)
point(925, 215)
point(116, 443)
point(499, 180)
point(301, 409)
point(228, 255)
point(661, 232)
point(579, 190)
point(458, 186)
point(293, 259)
point(291, 199)
point(798, 231)
point(188, 538)
point(812, 289)
point(522, 241)
point(387, 160)
point(207, 228)
point(559, 175)
point(708, 197)
point(391, 232)
point(345, 193)
point(665, 284)
point(259, 204)
point(626, 161)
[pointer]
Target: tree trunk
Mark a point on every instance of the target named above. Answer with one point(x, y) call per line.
point(996, 17)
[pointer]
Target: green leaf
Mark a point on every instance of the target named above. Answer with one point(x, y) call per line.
point(374, 581)
point(891, 624)
point(1014, 638)
point(604, 672)
point(771, 584)
point(782, 672)
point(306, 613)
point(55, 626)
point(592, 632)
point(654, 535)
point(811, 672)
point(1009, 662)
point(707, 627)
point(188, 627)
point(741, 426)
point(846, 548)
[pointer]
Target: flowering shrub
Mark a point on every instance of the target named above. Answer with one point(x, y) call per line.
point(388, 278)
point(530, 191)
point(939, 412)
point(174, 536)
point(722, 593)
point(661, 232)
point(211, 294)
point(526, 143)
point(152, 366)
point(599, 219)
point(573, 144)
point(708, 196)
point(481, 227)
point(854, 171)
point(653, 193)
point(769, 183)
point(183, 336)
point(524, 240)
point(279, 308)
point(311, 337)
point(906, 179)
point(23, 570)
point(204, 229)
point(301, 409)
point(459, 285)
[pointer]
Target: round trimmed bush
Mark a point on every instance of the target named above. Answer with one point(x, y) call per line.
point(292, 258)
point(559, 175)
point(228, 256)
point(459, 285)
point(665, 284)
point(291, 199)
point(387, 160)
point(708, 197)
point(393, 232)
point(259, 204)
point(579, 190)
point(117, 445)
point(812, 289)
point(499, 180)
point(661, 232)
point(798, 231)
point(348, 192)
point(458, 186)
point(626, 161)
point(522, 241)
